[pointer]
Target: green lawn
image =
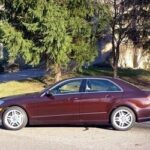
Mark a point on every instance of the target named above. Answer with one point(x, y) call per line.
point(20, 87)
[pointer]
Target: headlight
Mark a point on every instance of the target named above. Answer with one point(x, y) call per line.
point(1, 102)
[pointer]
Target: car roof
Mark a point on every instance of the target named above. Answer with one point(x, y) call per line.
point(90, 77)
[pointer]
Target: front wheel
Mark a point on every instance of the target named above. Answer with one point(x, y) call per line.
point(14, 118)
point(122, 118)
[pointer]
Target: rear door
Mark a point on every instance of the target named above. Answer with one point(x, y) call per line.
point(97, 99)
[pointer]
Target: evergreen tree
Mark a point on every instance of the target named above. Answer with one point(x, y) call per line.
point(58, 31)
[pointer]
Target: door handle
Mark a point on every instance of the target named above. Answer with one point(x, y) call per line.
point(73, 99)
point(76, 98)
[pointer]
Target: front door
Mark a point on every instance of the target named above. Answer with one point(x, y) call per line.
point(62, 107)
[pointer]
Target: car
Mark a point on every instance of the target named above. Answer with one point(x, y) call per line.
point(14, 67)
point(79, 101)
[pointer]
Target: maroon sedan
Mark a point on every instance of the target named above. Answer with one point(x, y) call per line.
point(79, 101)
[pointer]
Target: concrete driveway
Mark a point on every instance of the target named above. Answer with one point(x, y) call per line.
point(75, 138)
point(21, 75)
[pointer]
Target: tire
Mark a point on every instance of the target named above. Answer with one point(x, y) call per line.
point(122, 119)
point(14, 118)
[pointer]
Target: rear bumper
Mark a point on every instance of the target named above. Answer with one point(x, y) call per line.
point(144, 119)
point(143, 115)
point(0, 122)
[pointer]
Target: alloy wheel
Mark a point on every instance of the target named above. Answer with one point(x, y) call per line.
point(122, 118)
point(14, 119)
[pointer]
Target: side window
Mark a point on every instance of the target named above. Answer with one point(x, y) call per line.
point(97, 85)
point(69, 87)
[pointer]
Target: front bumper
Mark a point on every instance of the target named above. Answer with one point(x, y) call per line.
point(143, 115)
point(1, 115)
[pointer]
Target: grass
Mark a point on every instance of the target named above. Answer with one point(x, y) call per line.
point(138, 77)
point(20, 87)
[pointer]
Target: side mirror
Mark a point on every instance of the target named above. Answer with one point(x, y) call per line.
point(49, 94)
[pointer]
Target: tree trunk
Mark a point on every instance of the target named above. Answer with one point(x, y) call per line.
point(47, 65)
point(115, 67)
point(58, 73)
point(114, 51)
point(115, 60)
point(115, 70)
point(135, 57)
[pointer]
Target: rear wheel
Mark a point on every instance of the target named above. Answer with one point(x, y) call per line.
point(122, 119)
point(14, 118)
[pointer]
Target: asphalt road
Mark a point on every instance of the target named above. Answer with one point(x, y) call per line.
point(21, 75)
point(76, 138)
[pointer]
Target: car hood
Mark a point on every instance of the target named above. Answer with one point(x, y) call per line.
point(28, 95)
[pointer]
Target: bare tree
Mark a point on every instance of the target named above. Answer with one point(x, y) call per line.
point(119, 27)
point(129, 21)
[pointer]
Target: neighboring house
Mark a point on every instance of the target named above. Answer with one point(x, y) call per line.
point(134, 57)
point(1, 7)
point(130, 57)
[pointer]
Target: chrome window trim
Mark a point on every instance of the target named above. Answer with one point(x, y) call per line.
point(62, 83)
point(121, 90)
point(73, 79)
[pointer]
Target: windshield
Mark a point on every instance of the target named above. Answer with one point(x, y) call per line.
point(49, 87)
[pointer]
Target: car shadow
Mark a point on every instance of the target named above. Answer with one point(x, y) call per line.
point(85, 127)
